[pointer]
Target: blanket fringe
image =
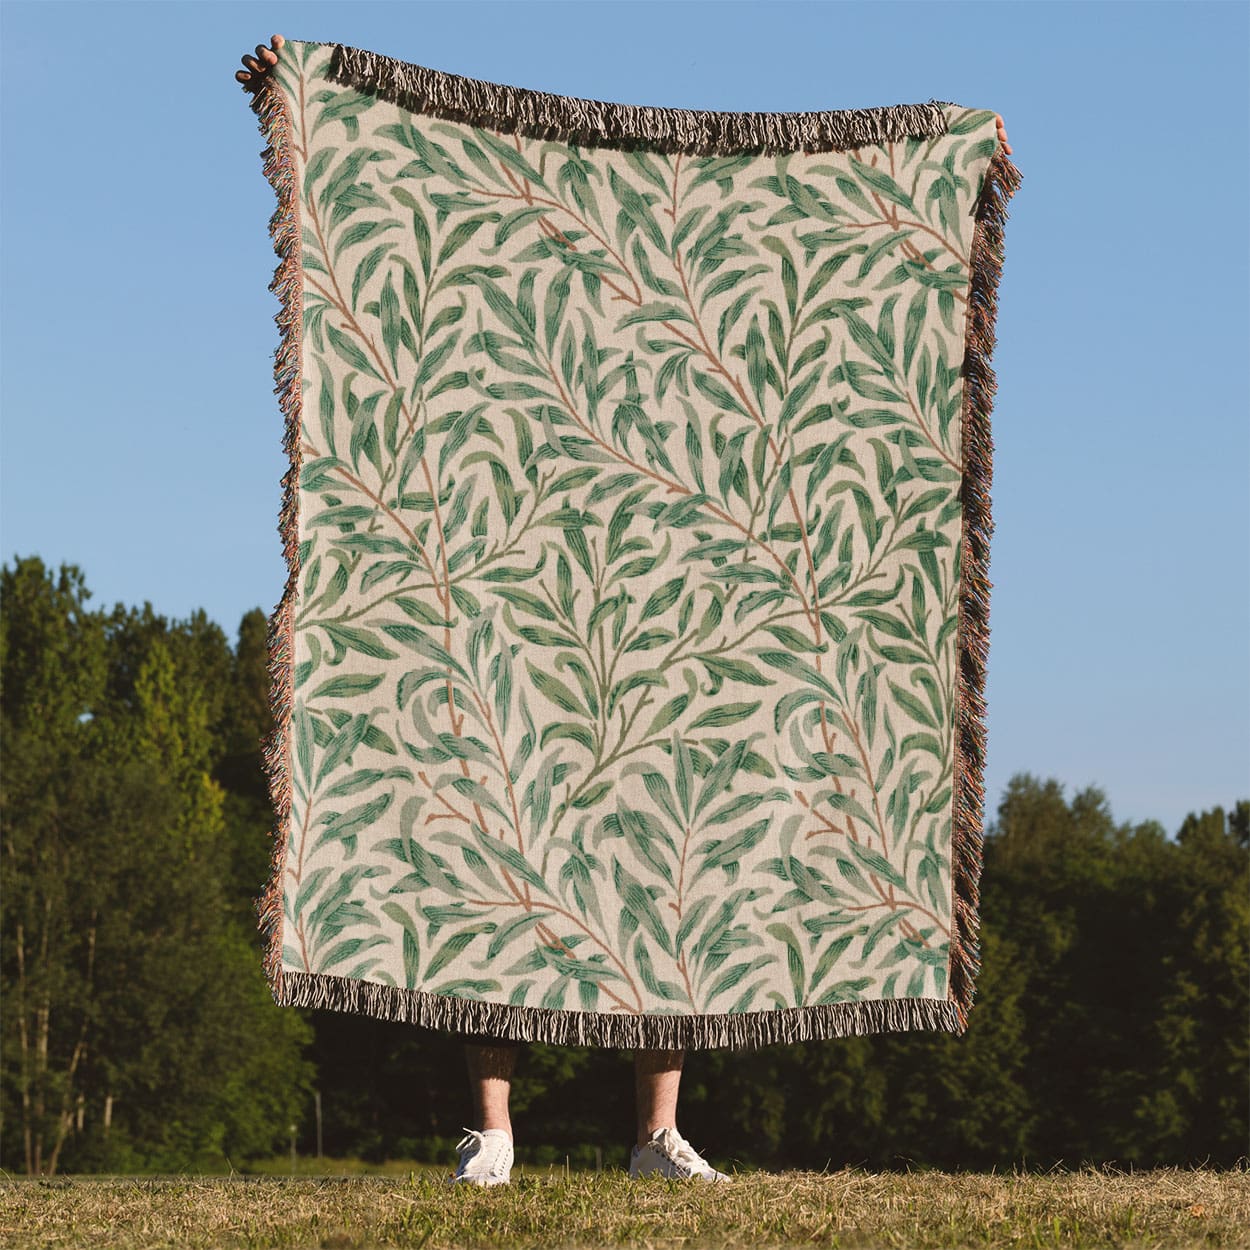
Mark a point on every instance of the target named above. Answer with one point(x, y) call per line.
point(284, 230)
point(967, 838)
point(746, 1030)
point(542, 115)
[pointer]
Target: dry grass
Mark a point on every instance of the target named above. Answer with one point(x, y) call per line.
point(850, 1208)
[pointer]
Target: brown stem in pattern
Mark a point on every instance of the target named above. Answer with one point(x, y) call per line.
point(434, 585)
point(910, 401)
point(350, 614)
point(444, 588)
point(445, 598)
point(826, 825)
point(894, 905)
point(523, 895)
point(547, 202)
point(890, 217)
point(581, 924)
point(620, 751)
point(552, 231)
point(811, 612)
point(928, 229)
point(348, 476)
point(303, 124)
point(954, 464)
point(452, 813)
point(670, 484)
point(913, 252)
point(857, 738)
point(335, 298)
point(444, 591)
point(303, 949)
point(557, 943)
point(451, 810)
point(522, 184)
point(677, 907)
point(298, 875)
point(298, 872)
point(705, 347)
point(919, 225)
point(915, 182)
point(672, 210)
point(503, 763)
point(887, 897)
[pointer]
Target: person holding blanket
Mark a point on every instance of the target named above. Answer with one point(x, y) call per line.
point(486, 1151)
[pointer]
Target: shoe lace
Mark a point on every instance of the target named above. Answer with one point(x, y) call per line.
point(470, 1136)
point(683, 1153)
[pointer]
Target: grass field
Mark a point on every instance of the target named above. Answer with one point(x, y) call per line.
point(849, 1208)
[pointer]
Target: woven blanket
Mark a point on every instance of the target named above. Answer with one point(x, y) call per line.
point(628, 676)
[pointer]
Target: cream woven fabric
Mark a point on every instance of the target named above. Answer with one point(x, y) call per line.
point(628, 677)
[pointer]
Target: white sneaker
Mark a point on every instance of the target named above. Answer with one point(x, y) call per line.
point(485, 1158)
point(668, 1153)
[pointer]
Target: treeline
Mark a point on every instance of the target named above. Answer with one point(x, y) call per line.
point(1112, 1019)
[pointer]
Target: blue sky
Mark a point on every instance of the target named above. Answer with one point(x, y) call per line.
point(141, 434)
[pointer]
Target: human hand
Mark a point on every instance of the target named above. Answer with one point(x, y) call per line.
point(1002, 130)
point(259, 65)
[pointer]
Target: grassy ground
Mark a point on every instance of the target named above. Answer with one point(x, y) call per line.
point(850, 1208)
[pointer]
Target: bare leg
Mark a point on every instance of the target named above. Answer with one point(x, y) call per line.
point(657, 1078)
point(490, 1078)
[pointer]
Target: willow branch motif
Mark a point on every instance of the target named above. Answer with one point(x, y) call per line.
point(517, 505)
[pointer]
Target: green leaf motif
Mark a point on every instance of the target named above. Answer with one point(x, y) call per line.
point(626, 647)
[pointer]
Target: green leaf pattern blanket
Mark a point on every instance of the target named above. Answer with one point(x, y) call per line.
point(628, 677)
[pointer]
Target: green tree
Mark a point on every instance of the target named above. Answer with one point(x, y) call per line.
point(53, 670)
point(1200, 1108)
point(246, 723)
point(139, 1031)
point(1136, 953)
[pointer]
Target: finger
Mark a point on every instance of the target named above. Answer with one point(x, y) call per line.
point(277, 42)
point(266, 57)
point(251, 62)
point(241, 75)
